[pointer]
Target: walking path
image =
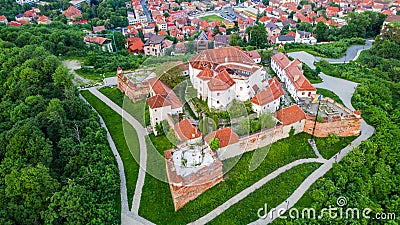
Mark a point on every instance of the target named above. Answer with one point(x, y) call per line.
point(314, 147)
point(129, 217)
point(243, 194)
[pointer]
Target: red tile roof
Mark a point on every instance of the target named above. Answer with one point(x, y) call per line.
point(160, 88)
point(205, 74)
point(186, 131)
point(158, 101)
point(226, 137)
point(98, 40)
point(221, 55)
point(135, 44)
point(270, 93)
point(300, 82)
point(72, 12)
point(281, 59)
point(290, 115)
point(221, 82)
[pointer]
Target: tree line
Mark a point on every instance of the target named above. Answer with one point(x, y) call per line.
point(55, 163)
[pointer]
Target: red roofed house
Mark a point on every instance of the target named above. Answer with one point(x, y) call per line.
point(104, 43)
point(134, 45)
point(163, 103)
point(3, 19)
point(291, 74)
point(72, 13)
point(268, 99)
point(186, 131)
point(229, 144)
point(44, 20)
point(291, 116)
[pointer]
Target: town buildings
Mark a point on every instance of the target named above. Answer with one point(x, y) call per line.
point(154, 46)
point(290, 73)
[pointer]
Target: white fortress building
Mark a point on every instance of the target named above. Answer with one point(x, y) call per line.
point(224, 74)
point(291, 74)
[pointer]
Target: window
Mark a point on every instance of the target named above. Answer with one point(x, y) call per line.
point(156, 118)
point(217, 94)
point(217, 102)
point(241, 88)
point(302, 93)
point(155, 110)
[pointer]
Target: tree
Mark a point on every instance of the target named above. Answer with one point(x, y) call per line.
point(235, 40)
point(214, 144)
point(265, 2)
point(62, 77)
point(305, 26)
point(27, 208)
point(257, 35)
point(322, 31)
point(120, 40)
point(266, 120)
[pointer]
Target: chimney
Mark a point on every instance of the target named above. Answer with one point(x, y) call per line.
point(119, 70)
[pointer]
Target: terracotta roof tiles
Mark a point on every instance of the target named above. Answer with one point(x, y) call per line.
point(186, 130)
point(226, 137)
point(290, 115)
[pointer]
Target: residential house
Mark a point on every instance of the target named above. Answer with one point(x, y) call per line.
point(72, 13)
point(221, 41)
point(272, 29)
point(202, 42)
point(154, 45)
point(134, 45)
point(291, 74)
point(3, 19)
point(104, 43)
point(44, 20)
point(305, 37)
point(98, 29)
point(283, 39)
point(268, 99)
point(228, 24)
point(163, 103)
point(187, 132)
point(21, 2)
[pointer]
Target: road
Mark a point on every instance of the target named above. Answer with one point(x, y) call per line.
point(73, 65)
point(352, 53)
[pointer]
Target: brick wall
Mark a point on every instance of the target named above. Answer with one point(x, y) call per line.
point(134, 91)
point(346, 126)
point(185, 189)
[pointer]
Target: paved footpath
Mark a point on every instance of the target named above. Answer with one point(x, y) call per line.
point(132, 216)
point(243, 194)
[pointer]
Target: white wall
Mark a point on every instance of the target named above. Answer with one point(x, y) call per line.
point(157, 115)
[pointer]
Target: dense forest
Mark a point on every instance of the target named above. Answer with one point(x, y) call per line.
point(55, 163)
point(369, 176)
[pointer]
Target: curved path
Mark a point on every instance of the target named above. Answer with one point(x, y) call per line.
point(132, 216)
point(243, 194)
point(352, 53)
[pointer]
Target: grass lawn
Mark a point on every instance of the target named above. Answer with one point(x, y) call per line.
point(89, 75)
point(272, 193)
point(330, 94)
point(211, 18)
point(156, 203)
point(138, 110)
point(117, 130)
point(329, 149)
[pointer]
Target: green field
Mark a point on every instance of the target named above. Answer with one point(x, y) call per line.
point(211, 18)
point(118, 130)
